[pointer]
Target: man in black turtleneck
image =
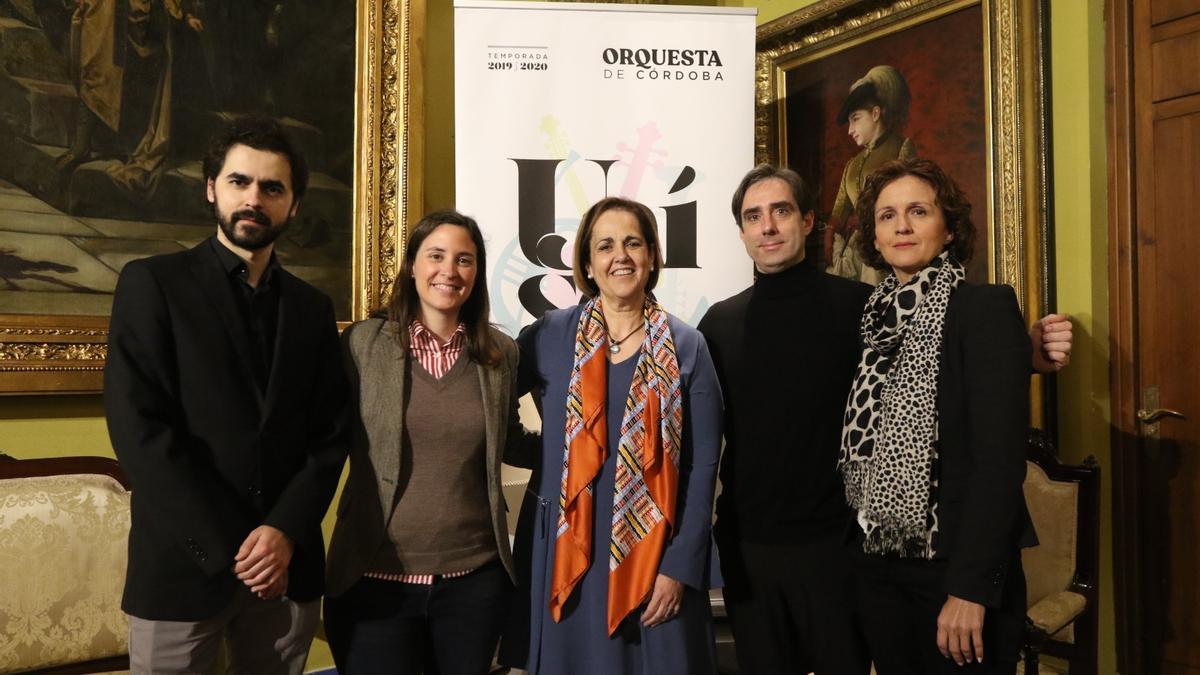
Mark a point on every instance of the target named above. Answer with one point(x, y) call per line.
point(786, 350)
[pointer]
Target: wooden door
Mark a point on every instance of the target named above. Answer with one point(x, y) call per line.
point(1156, 302)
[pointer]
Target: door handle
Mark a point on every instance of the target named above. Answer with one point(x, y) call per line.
point(1151, 416)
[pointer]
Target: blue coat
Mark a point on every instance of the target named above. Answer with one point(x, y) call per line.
point(580, 644)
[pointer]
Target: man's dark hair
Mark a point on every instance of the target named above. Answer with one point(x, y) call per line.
point(956, 208)
point(261, 133)
point(805, 201)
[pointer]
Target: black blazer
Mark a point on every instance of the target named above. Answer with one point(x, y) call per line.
point(983, 419)
point(210, 457)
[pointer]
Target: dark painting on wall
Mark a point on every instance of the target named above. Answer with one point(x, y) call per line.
point(106, 107)
point(926, 86)
point(960, 82)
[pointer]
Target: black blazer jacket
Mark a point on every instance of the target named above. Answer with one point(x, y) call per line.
point(983, 421)
point(211, 457)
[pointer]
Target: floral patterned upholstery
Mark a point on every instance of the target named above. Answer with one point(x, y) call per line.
point(63, 542)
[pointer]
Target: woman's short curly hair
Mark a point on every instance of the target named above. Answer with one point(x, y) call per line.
point(956, 208)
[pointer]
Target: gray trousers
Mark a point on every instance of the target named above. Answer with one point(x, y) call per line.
point(260, 636)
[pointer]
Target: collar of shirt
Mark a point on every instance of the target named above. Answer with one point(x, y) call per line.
point(235, 267)
point(421, 339)
point(434, 355)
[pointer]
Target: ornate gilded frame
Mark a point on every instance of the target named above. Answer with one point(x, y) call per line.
point(44, 354)
point(1017, 149)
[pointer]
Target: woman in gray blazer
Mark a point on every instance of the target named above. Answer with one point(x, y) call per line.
point(420, 571)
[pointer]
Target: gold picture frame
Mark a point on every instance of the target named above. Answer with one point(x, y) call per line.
point(1013, 93)
point(56, 354)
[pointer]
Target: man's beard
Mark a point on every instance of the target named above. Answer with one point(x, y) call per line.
point(251, 239)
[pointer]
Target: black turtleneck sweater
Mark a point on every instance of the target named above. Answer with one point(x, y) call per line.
point(786, 350)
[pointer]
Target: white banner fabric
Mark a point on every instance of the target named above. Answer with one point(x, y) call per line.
point(560, 105)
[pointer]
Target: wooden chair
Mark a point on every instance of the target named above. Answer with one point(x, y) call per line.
point(1062, 572)
point(64, 528)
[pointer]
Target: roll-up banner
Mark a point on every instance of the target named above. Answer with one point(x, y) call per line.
point(560, 105)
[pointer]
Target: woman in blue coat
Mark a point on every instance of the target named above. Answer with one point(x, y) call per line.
point(615, 531)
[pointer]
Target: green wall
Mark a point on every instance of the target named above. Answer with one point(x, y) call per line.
point(53, 426)
point(58, 426)
point(1080, 223)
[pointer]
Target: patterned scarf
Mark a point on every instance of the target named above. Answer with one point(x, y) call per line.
point(647, 475)
point(889, 436)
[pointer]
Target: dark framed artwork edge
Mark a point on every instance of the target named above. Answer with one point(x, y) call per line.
point(806, 16)
point(64, 354)
point(1016, 99)
point(52, 354)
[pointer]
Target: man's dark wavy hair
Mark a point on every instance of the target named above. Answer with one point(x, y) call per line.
point(805, 200)
point(261, 133)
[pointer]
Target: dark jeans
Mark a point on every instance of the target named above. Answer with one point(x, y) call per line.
point(899, 601)
point(448, 628)
point(792, 607)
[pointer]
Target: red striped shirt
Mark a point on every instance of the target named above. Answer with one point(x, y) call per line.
point(437, 358)
point(434, 355)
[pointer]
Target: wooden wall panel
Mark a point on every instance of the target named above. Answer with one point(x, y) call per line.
point(1176, 65)
point(1169, 10)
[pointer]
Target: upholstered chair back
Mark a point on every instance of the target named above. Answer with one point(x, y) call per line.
point(1054, 507)
point(1062, 572)
point(63, 549)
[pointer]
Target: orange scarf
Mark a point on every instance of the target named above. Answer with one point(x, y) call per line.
point(647, 474)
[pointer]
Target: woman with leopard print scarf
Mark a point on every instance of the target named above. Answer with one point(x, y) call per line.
point(934, 435)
